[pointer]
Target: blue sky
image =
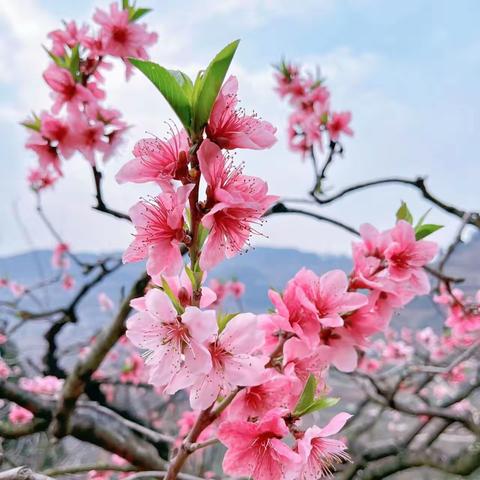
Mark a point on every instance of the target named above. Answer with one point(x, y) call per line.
point(408, 71)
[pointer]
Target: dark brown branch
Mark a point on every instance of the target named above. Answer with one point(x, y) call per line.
point(418, 183)
point(9, 430)
point(70, 316)
point(334, 148)
point(101, 206)
point(160, 474)
point(22, 473)
point(431, 411)
point(282, 208)
point(92, 426)
point(56, 235)
point(102, 467)
point(75, 383)
point(463, 464)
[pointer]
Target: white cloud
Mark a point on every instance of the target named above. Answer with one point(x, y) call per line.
point(390, 135)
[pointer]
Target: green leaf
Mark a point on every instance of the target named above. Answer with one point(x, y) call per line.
point(307, 397)
point(138, 13)
point(33, 123)
point(59, 61)
point(195, 276)
point(168, 85)
point(427, 229)
point(422, 219)
point(74, 65)
point(223, 319)
point(320, 404)
point(202, 235)
point(191, 276)
point(184, 81)
point(173, 298)
point(208, 85)
point(403, 213)
point(125, 4)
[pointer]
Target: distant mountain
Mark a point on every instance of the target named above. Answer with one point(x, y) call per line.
point(260, 269)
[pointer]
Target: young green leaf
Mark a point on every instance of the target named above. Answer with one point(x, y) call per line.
point(422, 219)
point(59, 61)
point(33, 123)
point(223, 319)
point(320, 404)
point(425, 230)
point(403, 213)
point(138, 13)
point(191, 276)
point(307, 397)
point(208, 85)
point(173, 298)
point(74, 65)
point(202, 235)
point(167, 84)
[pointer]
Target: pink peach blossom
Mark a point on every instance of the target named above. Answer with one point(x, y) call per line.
point(406, 256)
point(68, 282)
point(275, 391)
point(236, 288)
point(48, 385)
point(40, 179)
point(310, 302)
point(339, 123)
point(47, 157)
point(182, 288)
point(59, 258)
point(132, 369)
point(160, 230)
point(157, 160)
point(89, 137)
point(327, 296)
point(59, 132)
point(233, 362)
point(230, 128)
point(120, 37)
point(320, 454)
point(19, 415)
point(235, 202)
point(4, 369)
point(175, 343)
point(105, 302)
point(256, 450)
point(65, 89)
point(17, 289)
point(70, 36)
point(301, 361)
point(219, 289)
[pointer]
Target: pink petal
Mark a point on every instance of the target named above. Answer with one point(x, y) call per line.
point(201, 324)
point(159, 305)
point(335, 424)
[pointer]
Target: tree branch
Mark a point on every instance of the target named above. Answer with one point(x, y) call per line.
point(101, 206)
point(282, 208)
point(92, 426)
point(22, 473)
point(418, 183)
point(83, 370)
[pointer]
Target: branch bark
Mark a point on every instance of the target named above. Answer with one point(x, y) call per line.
point(75, 383)
point(418, 183)
point(93, 426)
